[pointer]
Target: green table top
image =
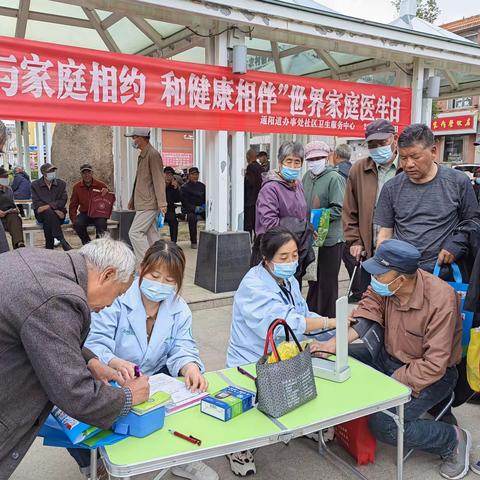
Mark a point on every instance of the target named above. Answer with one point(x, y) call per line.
point(365, 389)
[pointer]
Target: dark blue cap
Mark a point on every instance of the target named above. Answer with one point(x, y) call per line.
point(393, 255)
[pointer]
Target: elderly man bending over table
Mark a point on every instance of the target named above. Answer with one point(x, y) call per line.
point(411, 328)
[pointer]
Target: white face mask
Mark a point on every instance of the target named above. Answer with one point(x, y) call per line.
point(316, 167)
point(134, 143)
point(4, 182)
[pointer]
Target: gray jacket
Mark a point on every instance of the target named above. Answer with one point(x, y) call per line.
point(44, 319)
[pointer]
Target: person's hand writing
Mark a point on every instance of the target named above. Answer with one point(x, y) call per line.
point(323, 349)
point(356, 251)
point(194, 380)
point(140, 389)
point(445, 257)
point(125, 368)
point(103, 372)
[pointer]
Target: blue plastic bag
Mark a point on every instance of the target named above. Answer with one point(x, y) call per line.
point(160, 220)
point(461, 288)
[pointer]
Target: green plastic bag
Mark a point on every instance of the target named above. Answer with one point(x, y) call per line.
point(320, 218)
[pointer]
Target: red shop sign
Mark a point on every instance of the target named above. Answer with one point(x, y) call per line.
point(55, 83)
point(454, 123)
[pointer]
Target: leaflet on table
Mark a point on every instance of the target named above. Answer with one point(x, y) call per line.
point(181, 397)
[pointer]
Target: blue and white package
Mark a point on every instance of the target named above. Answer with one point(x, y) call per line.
point(227, 403)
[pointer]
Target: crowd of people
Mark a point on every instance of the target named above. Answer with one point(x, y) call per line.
point(397, 213)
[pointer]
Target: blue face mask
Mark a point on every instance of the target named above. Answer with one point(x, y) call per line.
point(477, 181)
point(290, 174)
point(156, 291)
point(285, 270)
point(382, 288)
point(381, 155)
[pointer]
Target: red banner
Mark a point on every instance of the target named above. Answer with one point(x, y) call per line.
point(55, 83)
point(454, 123)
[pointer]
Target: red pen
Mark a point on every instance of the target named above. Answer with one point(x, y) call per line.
point(188, 438)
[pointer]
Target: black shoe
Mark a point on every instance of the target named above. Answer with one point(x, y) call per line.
point(65, 245)
point(20, 245)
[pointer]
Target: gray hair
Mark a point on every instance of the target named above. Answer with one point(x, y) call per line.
point(105, 252)
point(293, 149)
point(344, 151)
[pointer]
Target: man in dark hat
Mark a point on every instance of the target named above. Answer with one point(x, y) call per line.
point(364, 184)
point(80, 202)
point(49, 198)
point(9, 214)
point(193, 202)
point(411, 327)
point(172, 189)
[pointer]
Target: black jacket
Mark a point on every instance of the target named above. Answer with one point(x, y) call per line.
point(173, 196)
point(252, 183)
point(193, 195)
point(55, 196)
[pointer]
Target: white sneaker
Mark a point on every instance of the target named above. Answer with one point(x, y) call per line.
point(242, 463)
point(195, 471)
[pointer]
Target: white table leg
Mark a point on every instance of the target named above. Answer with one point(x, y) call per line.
point(93, 464)
point(400, 425)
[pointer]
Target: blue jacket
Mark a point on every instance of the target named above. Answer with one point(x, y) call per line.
point(259, 301)
point(120, 331)
point(21, 187)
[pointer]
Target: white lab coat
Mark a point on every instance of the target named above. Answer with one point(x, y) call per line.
point(120, 331)
point(259, 301)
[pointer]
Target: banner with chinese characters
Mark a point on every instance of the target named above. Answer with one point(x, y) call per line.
point(56, 83)
point(456, 124)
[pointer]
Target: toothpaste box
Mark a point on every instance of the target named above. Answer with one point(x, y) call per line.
point(227, 403)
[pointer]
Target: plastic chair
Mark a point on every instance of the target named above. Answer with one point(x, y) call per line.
point(437, 419)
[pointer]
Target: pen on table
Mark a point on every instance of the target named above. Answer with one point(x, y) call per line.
point(188, 438)
point(136, 370)
point(247, 374)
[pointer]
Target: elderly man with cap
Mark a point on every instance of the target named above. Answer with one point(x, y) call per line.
point(425, 203)
point(49, 198)
point(9, 214)
point(148, 196)
point(411, 327)
point(325, 188)
point(80, 201)
point(172, 190)
point(193, 202)
point(364, 184)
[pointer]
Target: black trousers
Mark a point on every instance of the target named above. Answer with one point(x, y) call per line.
point(52, 227)
point(171, 219)
point(83, 221)
point(323, 293)
point(362, 278)
point(249, 219)
point(192, 225)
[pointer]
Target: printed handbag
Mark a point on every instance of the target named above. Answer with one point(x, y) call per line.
point(284, 385)
point(461, 288)
point(320, 219)
point(473, 360)
point(100, 206)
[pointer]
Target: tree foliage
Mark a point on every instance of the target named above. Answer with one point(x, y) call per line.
point(427, 9)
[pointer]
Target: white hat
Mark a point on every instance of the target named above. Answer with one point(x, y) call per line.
point(139, 132)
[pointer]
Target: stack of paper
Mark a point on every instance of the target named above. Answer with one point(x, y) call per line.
point(181, 397)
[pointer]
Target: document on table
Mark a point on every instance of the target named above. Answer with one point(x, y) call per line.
point(181, 397)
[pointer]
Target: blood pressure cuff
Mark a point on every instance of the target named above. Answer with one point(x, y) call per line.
point(371, 333)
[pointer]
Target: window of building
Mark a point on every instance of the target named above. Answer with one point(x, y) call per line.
point(453, 150)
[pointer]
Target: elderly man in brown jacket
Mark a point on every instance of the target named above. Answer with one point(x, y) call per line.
point(45, 309)
point(364, 184)
point(411, 327)
point(148, 196)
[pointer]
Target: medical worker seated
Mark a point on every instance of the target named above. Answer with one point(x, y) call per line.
point(150, 326)
point(267, 292)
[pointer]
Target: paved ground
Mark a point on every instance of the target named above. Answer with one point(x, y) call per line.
point(296, 461)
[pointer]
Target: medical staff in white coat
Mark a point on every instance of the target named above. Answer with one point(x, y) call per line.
point(267, 292)
point(150, 326)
